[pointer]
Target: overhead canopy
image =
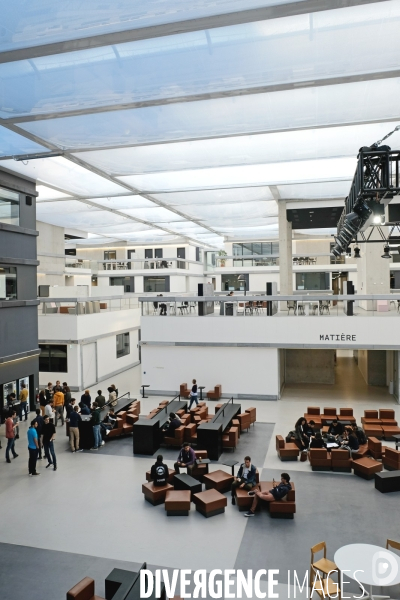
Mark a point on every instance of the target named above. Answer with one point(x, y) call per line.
point(193, 119)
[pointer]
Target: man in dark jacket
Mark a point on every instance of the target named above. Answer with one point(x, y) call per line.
point(159, 472)
point(277, 492)
point(245, 479)
point(335, 428)
point(186, 458)
point(173, 423)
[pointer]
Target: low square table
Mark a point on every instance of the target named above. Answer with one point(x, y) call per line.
point(387, 481)
point(186, 482)
point(210, 503)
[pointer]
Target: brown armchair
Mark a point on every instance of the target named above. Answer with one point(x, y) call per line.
point(375, 448)
point(215, 394)
point(231, 438)
point(314, 414)
point(177, 440)
point(190, 431)
point(84, 590)
point(217, 407)
point(253, 414)
point(183, 390)
point(391, 459)
point(320, 459)
point(286, 450)
point(199, 470)
point(118, 430)
point(370, 418)
point(387, 417)
point(329, 414)
point(244, 420)
point(341, 461)
point(131, 418)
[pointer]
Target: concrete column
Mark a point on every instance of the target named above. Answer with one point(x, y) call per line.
point(373, 271)
point(285, 252)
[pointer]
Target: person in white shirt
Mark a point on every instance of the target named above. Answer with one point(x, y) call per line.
point(48, 410)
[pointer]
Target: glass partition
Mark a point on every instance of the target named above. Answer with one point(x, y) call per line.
point(9, 207)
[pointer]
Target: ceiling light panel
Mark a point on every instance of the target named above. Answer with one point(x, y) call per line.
point(305, 107)
point(273, 147)
point(217, 196)
point(13, 144)
point(303, 47)
point(46, 193)
point(64, 174)
point(46, 22)
point(330, 189)
point(244, 175)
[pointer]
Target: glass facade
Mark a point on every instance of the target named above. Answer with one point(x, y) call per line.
point(251, 249)
point(156, 284)
point(231, 283)
point(9, 207)
point(53, 359)
point(312, 281)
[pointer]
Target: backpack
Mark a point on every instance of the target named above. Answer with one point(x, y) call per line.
point(289, 436)
point(362, 438)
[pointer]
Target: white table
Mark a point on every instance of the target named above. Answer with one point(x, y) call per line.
point(308, 306)
point(371, 565)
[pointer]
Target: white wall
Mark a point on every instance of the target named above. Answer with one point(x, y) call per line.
point(241, 371)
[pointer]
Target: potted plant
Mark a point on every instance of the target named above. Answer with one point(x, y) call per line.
point(222, 254)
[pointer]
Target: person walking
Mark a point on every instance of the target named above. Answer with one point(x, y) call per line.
point(193, 394)
point(58, 403)
point(74, 420)
point(23, 402)
point(33, 448)
point(49, 434)
point(10, 435)
point(96, 427)
point(39, 429)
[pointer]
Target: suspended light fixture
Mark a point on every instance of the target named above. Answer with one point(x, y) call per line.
point(386, 252)
point(357, 252)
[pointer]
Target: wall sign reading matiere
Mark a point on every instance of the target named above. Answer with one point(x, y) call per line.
point(338, 337)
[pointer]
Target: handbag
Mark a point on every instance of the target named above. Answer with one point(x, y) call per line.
point(303, 456)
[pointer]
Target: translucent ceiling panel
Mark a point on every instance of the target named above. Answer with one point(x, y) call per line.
point(86, 220)
point(272, 147)
point(116, 229)
point(306, 107)
point(288, 50)
point(239, 211)
point(46, 193)
point(184, 226)
point(27, 24)
point(329, 189)
point(154, 214)
point(247, 175)
point(66, 207)
point(65, 175)
point(123, 202)
point(13, 144)
point(218, 196)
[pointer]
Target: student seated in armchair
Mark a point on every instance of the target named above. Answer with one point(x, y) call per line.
point(159, 472)
point(245, 479)
point(108, 423)
point(335, 428)
point(278, 491)
point(317, 441)
point(186, 458)
point(173, 423)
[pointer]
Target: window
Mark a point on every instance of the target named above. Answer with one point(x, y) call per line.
point(148, 253)
point(262, 249)
point(127, 282)
point(53, 359)
point(199, 255)
point(158, 253)
point(181, 253)
point(8, 283)
point(312, 281)
point(156, 284)
point(9, 207)
point(110, 255)
point(231, 283)
point(123, 345)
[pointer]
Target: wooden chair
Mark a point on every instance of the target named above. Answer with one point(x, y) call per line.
point(324, 565)
point(325, 588)
point(392, 544)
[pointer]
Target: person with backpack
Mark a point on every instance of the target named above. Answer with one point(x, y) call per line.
point(159, 472)
point(360, 434)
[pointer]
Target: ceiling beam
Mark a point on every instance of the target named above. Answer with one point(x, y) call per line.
point(180, 27)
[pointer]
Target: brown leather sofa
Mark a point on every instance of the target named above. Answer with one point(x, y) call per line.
point(177, 440)
point(199, 470)
point(329, 414)
point(84, 590)
point(341, 461)
point(286, 450)
point(118, 430)
point(244, 420)
point(280, 508)
point(346, 414)
point(366, 467)
point(190, 432)
point(361, 452)
point(215, 394)
point(375, 448)
point(320, 459)
point(370, 417)
point(230, 438)
point(391, 459)
point(314, 414)
point(184, 392)
point(217, 407)
point(373, 431)
point(387, 417)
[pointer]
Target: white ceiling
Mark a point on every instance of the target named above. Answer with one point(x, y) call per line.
point(192, 119)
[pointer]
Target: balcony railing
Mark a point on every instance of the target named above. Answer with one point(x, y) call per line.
point(312, 305)
point(86, 305)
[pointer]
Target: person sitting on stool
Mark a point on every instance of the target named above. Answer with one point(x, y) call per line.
point(186, 458)
point(278, 491)
point(159, 472)
point(245, 479)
